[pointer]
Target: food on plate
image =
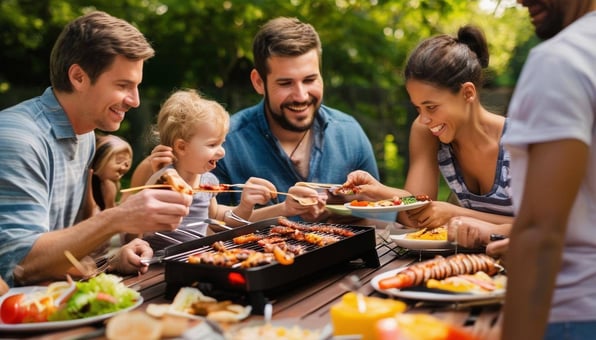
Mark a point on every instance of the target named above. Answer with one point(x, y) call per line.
point(37, 305)
point(414, 199)
point(439, 268)
point(479, 282)
point(272, 332)
point(420, 327)
point(439, 234)
point(191, 301)
point(173, 179)
point(132, 326)
point(381, 203)
point(105, 293)
point(395, 201)
point(62, 300)
point(358, 314)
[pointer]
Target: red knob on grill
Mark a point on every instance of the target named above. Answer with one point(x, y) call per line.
point(236, 279)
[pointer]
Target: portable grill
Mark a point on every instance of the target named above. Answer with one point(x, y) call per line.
point(255, 282)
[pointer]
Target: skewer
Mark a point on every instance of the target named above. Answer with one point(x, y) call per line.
point(150, 186)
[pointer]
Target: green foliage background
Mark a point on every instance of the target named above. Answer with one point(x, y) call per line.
point(206, 44)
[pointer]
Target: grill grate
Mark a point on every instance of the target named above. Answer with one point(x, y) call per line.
point(266, 231)
point(256, 281)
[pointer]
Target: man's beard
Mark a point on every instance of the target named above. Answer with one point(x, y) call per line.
point(551, 25)
point(281, 119)
point(553, 21)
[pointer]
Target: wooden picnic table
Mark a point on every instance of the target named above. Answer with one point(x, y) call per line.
point(307, 303)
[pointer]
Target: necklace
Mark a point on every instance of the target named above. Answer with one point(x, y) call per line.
point(298, 144)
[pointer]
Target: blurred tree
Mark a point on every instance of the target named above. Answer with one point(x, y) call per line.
point(207, 44)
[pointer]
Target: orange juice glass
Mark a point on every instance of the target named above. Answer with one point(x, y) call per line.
point(348, 318)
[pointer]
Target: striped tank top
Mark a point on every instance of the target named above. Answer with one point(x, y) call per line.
point(497, 201)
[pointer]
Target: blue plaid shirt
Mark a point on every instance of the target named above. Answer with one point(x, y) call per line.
point(43, 175)
point(340, 146)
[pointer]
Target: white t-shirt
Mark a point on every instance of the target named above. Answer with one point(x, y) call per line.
point(554, 99)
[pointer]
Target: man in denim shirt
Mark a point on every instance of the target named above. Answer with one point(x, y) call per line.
point(290, 136)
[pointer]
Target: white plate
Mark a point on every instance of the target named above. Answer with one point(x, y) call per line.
point(400, 207)
point(53, 325)
point(431, 296)
point(339, 209)
point(402, 241)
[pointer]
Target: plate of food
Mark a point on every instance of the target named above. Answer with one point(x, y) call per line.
point(339, 209)
point(388, 205)
point(423, 239)
point(470, 277)
point(276, 330)
point(43, 308)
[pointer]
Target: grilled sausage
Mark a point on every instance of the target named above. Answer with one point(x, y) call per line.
point(440, 268)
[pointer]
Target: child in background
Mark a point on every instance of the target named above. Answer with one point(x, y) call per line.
point(195, 128)
point(112, 160)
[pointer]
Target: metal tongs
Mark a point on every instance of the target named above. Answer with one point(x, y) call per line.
point(222, 224)
point(158, 256)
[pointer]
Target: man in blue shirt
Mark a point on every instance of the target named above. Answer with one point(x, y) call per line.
point(290, 136)
point(47, 145)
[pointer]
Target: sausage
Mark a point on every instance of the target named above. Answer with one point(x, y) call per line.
point(440, 268)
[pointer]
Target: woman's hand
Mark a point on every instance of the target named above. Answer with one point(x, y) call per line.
point(368, 186)
point(128, 258)
point(432, 215)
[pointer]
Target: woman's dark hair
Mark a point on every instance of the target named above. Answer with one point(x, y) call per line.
point(449, 62)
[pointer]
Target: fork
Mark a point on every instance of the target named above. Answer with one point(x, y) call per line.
point(87, 266)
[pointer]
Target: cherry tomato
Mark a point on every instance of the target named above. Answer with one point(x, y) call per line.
point(12, 310)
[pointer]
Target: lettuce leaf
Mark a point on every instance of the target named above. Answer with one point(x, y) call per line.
point(105, 293)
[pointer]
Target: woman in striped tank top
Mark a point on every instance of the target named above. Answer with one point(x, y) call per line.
point(453, 135)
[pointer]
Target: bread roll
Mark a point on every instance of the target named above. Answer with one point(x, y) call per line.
point(135, 325)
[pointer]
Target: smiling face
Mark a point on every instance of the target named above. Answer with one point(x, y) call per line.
point(201, 153)
point(104, 103)
point(293, 90)
point(441, 110)
point(116, 167)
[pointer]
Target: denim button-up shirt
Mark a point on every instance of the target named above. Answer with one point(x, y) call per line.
point(340, 146)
